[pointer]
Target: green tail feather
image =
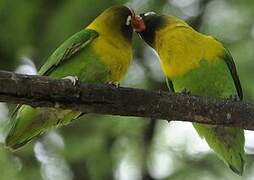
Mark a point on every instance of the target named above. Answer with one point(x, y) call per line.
point(228, 143)
point(239, 170)
point(31, 122)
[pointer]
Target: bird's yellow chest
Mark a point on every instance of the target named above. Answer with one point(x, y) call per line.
point(115, 55)
point(181, 49)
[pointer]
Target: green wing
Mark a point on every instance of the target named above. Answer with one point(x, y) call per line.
point(232, 68)
point(69, 48)
point(170, 84)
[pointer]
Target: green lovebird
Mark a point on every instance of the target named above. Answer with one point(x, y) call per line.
point(99, 53)
point(202, 65)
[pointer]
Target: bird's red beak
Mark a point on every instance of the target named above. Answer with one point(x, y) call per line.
point(138, 23)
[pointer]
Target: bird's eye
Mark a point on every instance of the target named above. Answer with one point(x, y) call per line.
point(128, 21)
point(149, 13)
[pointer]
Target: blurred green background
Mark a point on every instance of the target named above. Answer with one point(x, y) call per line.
point(110, 147)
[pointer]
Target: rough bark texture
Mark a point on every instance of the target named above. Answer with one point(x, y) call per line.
point(40, 91)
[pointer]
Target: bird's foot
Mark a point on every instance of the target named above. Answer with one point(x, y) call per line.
point(73, 79)
point(113, 83)
point(186, 91)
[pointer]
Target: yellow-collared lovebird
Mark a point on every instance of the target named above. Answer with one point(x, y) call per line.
point(199, 63)
point(99, 53)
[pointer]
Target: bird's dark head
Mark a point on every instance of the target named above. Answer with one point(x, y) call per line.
point(147, 24)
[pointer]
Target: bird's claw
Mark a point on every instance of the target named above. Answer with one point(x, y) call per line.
point(114, 84)
point(186, 91)
point(73, 79)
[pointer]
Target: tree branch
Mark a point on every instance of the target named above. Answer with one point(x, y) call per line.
point(39, 91)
